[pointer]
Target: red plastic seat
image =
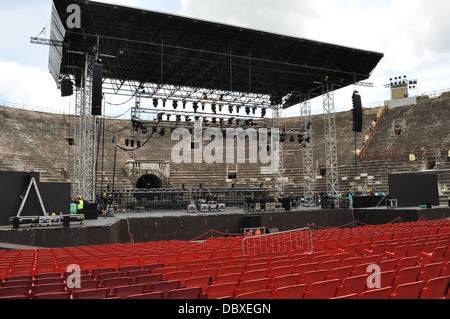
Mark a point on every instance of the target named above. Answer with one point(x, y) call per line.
point(202, 282)
point(124, 292)
point(147, 296)
point(407, 275)
point(352, 285)
point(164, 286)
point(185, 294)
point(284, 281)
point(100, 293)
point(399, 252)
point(178, 275)
point(340, 273)
point(53, 296)
point(48, 288)
point(252, 285)
point(436, 288)
point(8, 292)
point(383, 293)
point(408, 291)
point(323, 290)
point(437, 255)
point(430, 271)
point(313, 276)
point(257, 295)
point(220, 291)
point(294, 292)
point(226, 279)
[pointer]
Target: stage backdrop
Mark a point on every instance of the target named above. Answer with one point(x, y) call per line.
point(55, 196)
point(412, 190)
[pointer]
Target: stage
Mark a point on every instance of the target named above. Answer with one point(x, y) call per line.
point(184, 226)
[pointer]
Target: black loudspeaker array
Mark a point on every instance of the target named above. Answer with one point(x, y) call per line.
point(97, 89)
point(66, 87)
point(357, 113)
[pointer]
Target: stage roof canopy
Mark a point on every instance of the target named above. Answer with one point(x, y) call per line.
point(144, 46)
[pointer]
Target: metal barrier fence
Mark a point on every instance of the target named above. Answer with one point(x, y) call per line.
point(299, 240)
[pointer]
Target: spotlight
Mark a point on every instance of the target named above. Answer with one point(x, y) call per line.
point(282, 137)
point(230, 121)
point(195, 106)
point(127, 142)
point(144, 130)
point(160, 116)
point(175, 105)
point(254, 110)
point(214, 108)
point(168, 117)
point(155, 102)
point(184, 105)
point(164, 103)
point(203, 106)
point(138, 143)
point(301, 139)
point(247, 110)
point(238, 109)
point(132, 143)
point(214, 120)
point(162, 132)
point(230, 108)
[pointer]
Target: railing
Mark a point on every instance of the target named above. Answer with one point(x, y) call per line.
point(299, 240)
point(380, 120)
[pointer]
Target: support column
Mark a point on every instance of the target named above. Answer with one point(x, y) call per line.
point(308, 152)
point(331, 151)
point(84, 137)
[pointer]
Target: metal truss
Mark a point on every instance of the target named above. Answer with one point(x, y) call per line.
point(278, 158)
point(84, 136)
point(330, 137)
point(308, 152)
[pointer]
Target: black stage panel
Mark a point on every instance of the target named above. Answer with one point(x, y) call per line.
point(55, 196)
point(413, 190)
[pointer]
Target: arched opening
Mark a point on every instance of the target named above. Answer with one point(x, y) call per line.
point(149, 182)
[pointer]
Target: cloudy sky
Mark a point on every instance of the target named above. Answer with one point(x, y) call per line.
point(413, 35)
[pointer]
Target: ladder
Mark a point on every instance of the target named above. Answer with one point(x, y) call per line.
point(32, 182)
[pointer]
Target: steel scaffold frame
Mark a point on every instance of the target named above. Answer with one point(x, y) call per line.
point(308, 152)
point(85, 132)
point(330, 136)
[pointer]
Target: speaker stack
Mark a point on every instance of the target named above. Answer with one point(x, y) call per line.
point(66, 87)
point(357, 113)
point(97, 89)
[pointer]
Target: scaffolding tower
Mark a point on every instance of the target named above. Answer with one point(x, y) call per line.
point(84, 137)
point(308, 151)
point(330, 137)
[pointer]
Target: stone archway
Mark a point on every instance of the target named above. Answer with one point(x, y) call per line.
point(149, 181)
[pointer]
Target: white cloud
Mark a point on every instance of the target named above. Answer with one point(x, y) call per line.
point(29, 86)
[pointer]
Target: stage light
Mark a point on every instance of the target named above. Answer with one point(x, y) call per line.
point(144, 130)
point(178, 119)
point(292, 139)
point(155, 102)
point(214, 120)
point(282, 137)
point(160, 116)
point(162, 132)
point(184, 105)
point(155, 130)
point(214, 108)
point(220, 107)
point(238, 121)
point(195, 106)
point(230, 121)
point(168, 117)
point(188, 119)
point(127, 142)
point(138, 143)
point(247, 110)
point(254, 110)
point(164, 103)
point(301, 139)
point(203, 106)
point(230, 108)
point(132, 143)
point(238, 109)
point(175, 105)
